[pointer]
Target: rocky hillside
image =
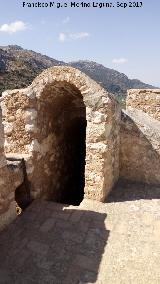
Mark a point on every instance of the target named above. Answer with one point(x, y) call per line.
point(112, 80)
point(18, 68)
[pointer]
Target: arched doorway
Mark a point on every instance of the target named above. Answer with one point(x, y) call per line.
point(62, 118)
point(66, 127)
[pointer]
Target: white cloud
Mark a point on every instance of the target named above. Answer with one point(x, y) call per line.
point(81, 35)
point(73, 36)
point(13, 27)
point(119, 60)
point(62, 37)
point(66, 20)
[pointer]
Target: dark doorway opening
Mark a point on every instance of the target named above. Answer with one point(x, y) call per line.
point(64, 113)
point(75, 140)
point(22, 196)
point(22, 192)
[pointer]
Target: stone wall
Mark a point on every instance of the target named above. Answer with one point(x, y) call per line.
point(140, 137)
point(10, 178)
point(68, 131)
point(147, 100)
point(34, 122)
point(65, 130)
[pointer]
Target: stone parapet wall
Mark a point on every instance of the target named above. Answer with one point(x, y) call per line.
point(147, 100)
point(18, 116)
point(10, 178)
point(140, 137)
point(140, 147)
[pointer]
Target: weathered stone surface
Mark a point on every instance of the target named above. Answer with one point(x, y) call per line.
point(140, 137)
point(101, 243)
point(146, 100)
point(15, 168)
point(68, 130)
point(40, 117)
point(11, 176)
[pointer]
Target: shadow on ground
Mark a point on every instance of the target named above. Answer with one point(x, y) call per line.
point(53, 244)
point(128, 191)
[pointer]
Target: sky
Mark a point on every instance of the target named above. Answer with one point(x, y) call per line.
point(125, 39)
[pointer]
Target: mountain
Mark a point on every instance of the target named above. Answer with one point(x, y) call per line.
point(112, 80)
point(18, 68)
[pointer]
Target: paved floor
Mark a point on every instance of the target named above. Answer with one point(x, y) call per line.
point(112, 243)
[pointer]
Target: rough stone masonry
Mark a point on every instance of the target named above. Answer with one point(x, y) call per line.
point(74, 140)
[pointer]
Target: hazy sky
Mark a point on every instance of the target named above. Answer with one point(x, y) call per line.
point(127, 40)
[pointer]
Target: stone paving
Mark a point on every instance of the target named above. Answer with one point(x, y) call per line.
point(112, 243)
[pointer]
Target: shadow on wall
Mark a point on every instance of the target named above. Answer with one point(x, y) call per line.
point(53, 245)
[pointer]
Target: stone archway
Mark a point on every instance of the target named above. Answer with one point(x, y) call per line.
point(52, 112)
point(62, 120)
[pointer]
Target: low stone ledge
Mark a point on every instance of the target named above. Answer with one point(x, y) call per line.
point(16, 169)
